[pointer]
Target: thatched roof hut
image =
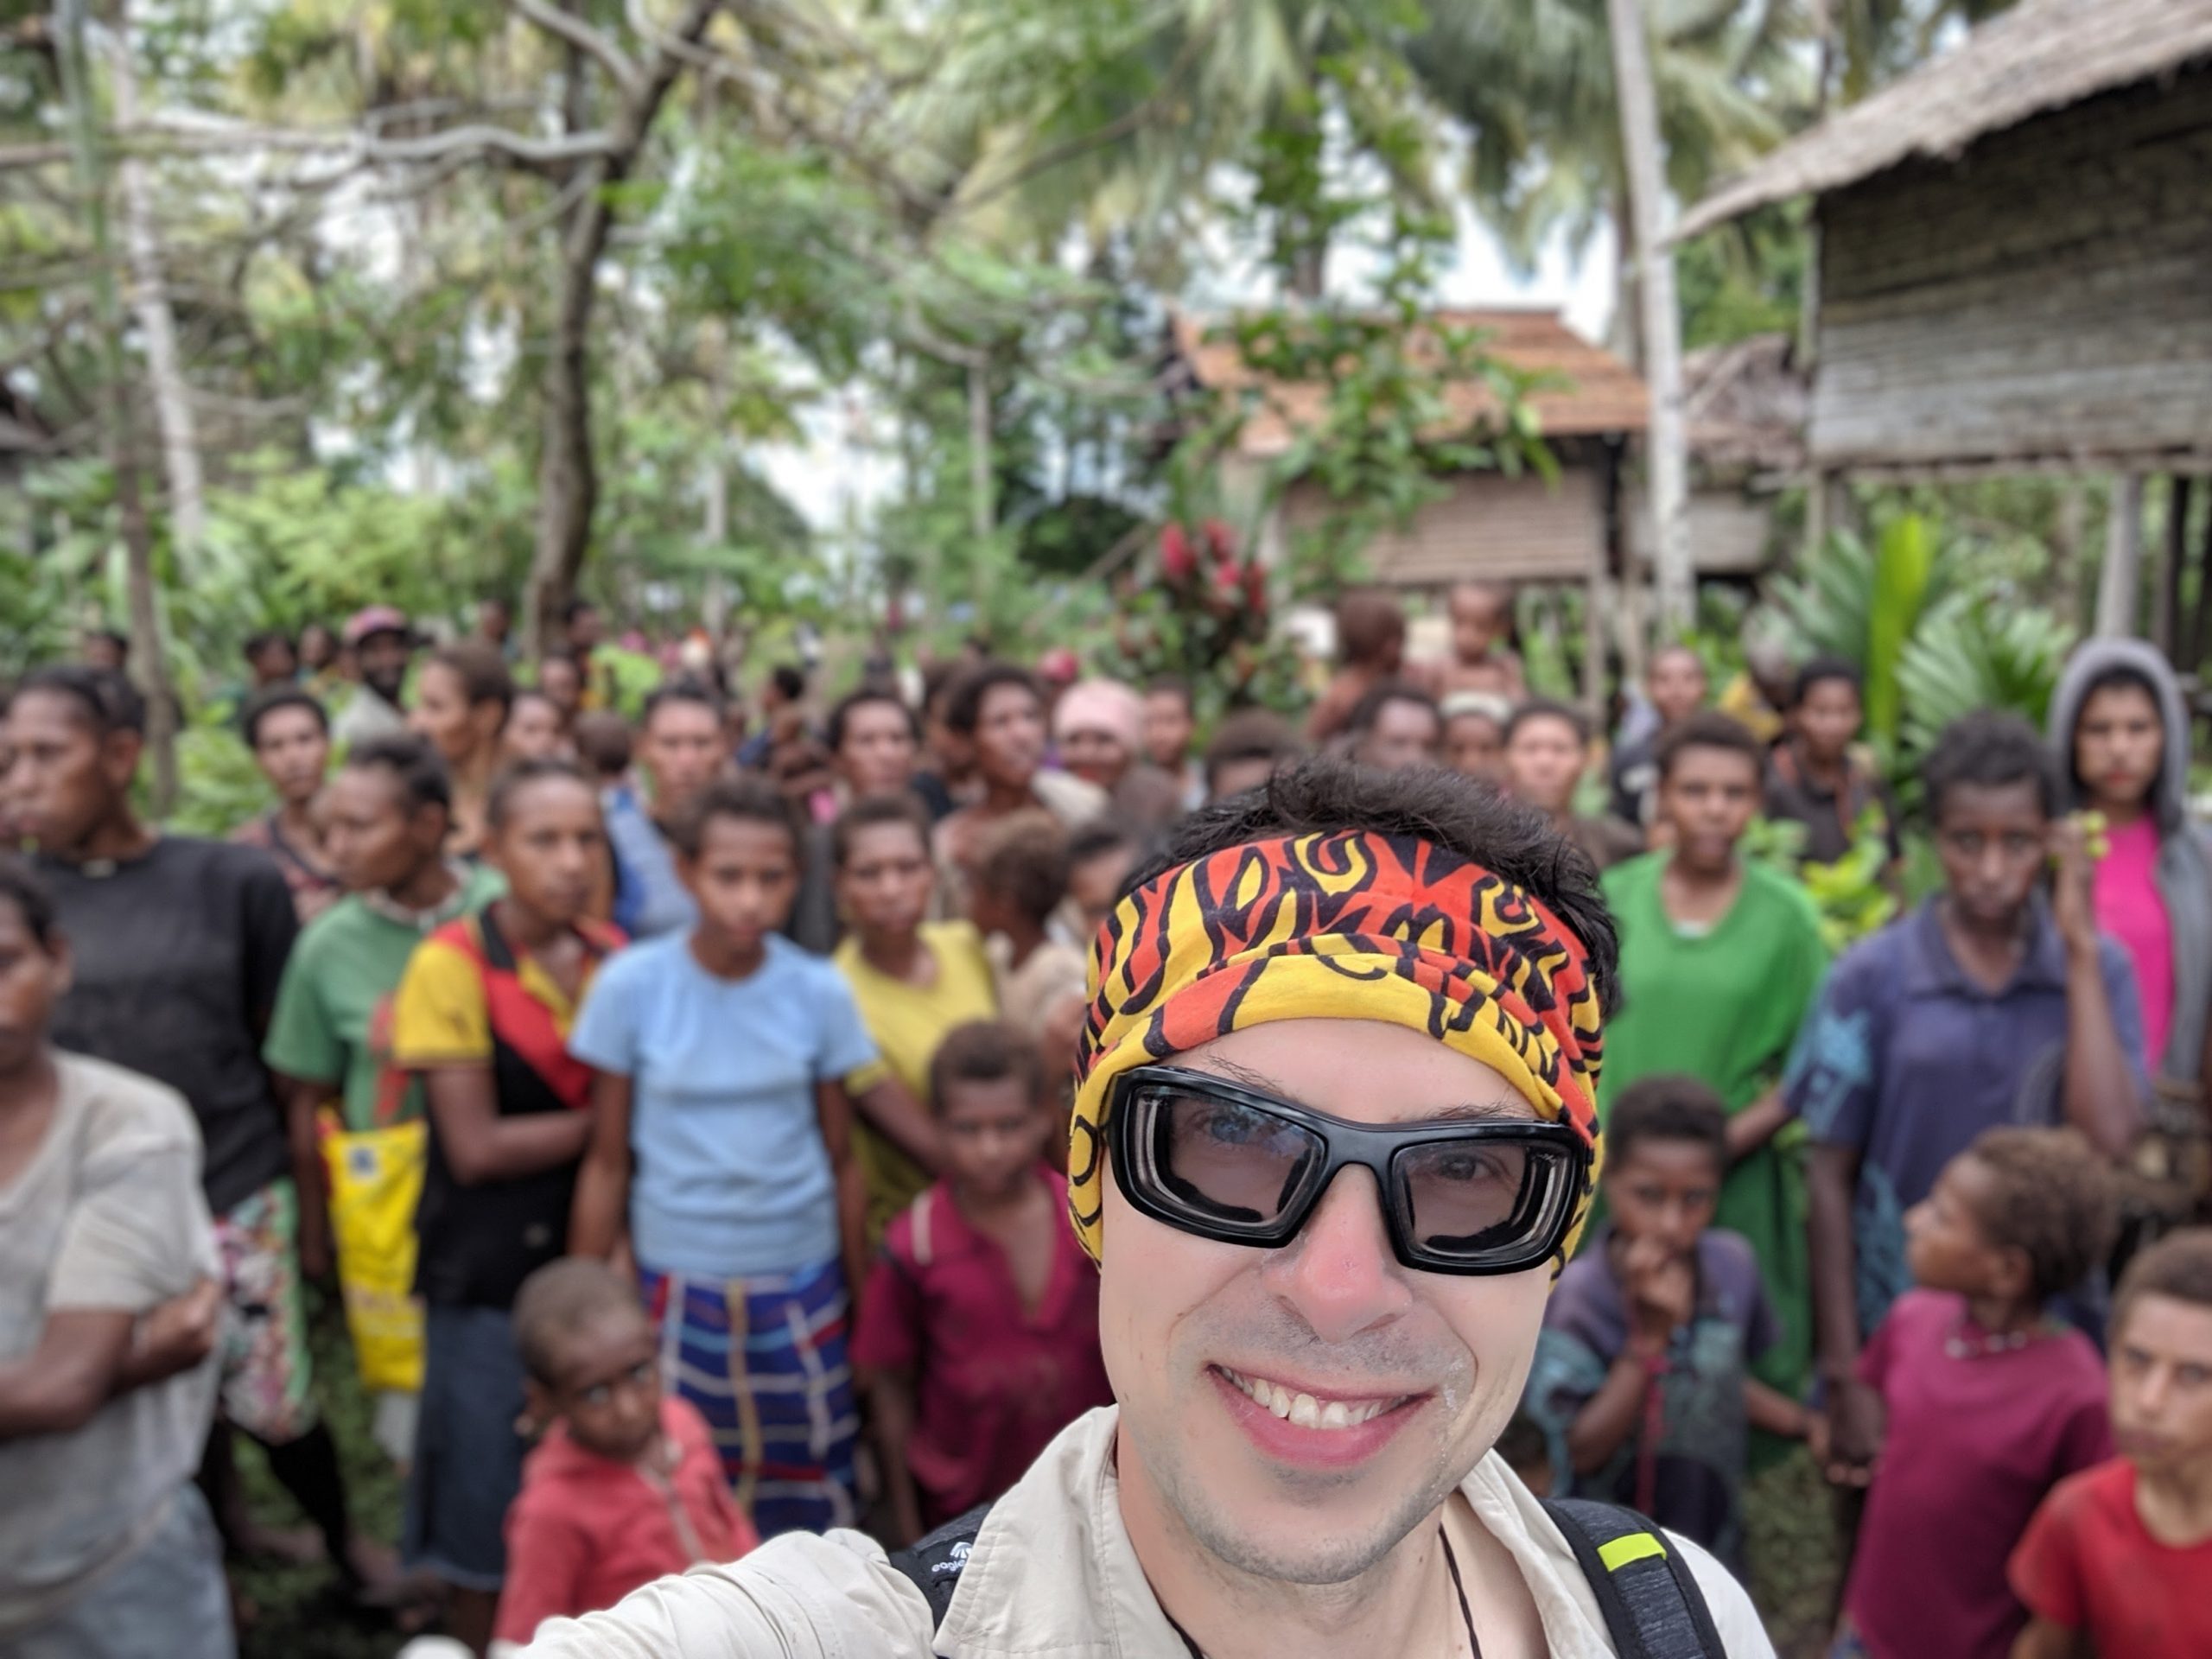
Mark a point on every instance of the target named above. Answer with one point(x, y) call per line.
point(2015, 249)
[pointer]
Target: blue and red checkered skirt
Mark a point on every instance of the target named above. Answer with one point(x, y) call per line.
point(763, 1358)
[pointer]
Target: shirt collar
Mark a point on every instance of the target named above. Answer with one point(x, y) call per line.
point(1933, 970)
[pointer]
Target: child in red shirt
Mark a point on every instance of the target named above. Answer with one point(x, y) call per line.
point(625, 1486)
point(2117, 1560)
point(980, 1321)
point(1988, 1401)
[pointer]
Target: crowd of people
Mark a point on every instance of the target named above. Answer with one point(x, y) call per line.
point(679, 1106)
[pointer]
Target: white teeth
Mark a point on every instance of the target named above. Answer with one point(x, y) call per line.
point(1304, 1409)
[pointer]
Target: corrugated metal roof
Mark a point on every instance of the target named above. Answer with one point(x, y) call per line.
point(1597, 393)
point(2041, 55)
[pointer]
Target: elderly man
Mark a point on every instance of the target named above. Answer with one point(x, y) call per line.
point(1334, 1132)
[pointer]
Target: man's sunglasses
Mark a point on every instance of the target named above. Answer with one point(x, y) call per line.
point(1211, 1158)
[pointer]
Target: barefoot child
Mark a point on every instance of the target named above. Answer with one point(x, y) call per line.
point(1641, 1376)
point(1988, 1401)
point(2117, 1560)
point(625, 1487)
point(980, 1320)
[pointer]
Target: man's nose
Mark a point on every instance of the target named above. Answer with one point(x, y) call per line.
point(1338, 1274)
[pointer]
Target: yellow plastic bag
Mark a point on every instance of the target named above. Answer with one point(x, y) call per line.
point(376, 1181)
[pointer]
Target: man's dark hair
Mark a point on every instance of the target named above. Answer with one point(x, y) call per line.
point(834, 733)
point(480, 669)
point(1024, 861)
point(1667, 1108)
point(964, 706)
point(575, 608)
point(603, 741)
point(1988, 750)
point(1709, 730)
point(1819, 671)
point(746, 799)
point(2178, 1265)
point(261, 639)
point(984, 1050)
point(872, 811)
point(1549, 709)
point(1251, 734)
point(789, 680)
point(103, 697)
point(1379, 696)
point(21, 887)
point(1171, 685)
point(2051, 1198)
point(499, 802)
point(411, 761)
point(263, 705)
point(561, 1300)
point(683, 690)
point(115, 637)
point(1325, 794)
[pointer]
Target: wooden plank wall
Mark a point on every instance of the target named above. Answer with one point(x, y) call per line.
point(2047, 296)
point(1511, 529)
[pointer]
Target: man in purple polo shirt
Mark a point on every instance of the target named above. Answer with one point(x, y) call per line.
point(1988, 1004)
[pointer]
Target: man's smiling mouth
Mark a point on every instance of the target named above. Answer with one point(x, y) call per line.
point(1305, 1410)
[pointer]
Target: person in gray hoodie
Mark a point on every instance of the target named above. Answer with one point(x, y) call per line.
point(2121, 734)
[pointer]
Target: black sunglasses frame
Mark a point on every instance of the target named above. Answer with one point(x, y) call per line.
point(1345, 1144)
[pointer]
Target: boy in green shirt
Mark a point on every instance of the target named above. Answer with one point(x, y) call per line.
point(1720, 962)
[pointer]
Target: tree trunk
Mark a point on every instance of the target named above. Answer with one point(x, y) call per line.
point(1666, 454)
point(2119, 586)
point(147, 651)
point(568, 481)
point(983, 514)
point(150, 301)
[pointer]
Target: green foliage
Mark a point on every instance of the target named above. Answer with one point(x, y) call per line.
point(1742, 279)
point(1204, 616)
point(1852, 894)
point(1966, 655)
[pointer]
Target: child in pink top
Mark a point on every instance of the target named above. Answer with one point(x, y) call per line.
point(981, 1319)
point(1988, 1401)
point(626, 1486)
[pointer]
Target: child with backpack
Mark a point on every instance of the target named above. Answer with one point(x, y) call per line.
point(1988, 1401)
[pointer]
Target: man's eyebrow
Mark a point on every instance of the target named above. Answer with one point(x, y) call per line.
point(1508, 1108)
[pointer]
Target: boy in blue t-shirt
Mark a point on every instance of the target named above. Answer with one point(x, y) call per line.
point(721, 1161)
point(1640, 1379)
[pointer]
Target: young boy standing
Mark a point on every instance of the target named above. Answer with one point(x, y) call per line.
point(1987, 1005)
point(1721, 959)
point(981, 1319)
point(1641, 1379)
point(2117, 1560)
point(1988, 1399)
point(625, 1487)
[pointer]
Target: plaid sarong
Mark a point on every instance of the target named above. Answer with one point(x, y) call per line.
point(764, 1361)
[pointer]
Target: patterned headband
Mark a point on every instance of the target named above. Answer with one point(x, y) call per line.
point(1348, 926)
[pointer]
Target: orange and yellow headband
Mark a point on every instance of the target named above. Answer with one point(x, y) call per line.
point(1347, 926)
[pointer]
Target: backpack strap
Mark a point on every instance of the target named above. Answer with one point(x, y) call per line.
point(1650, 1600)
point(934, 1565)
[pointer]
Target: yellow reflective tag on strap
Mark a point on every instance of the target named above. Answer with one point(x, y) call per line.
point(1635, 1546)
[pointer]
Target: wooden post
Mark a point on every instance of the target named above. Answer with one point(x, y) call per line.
point(2200, 619)
point(2119, 586)
point(1593, 649)
point(1667, 461)
point(2165, 598)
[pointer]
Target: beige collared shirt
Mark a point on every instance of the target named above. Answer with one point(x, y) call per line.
point(1051, 1573)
